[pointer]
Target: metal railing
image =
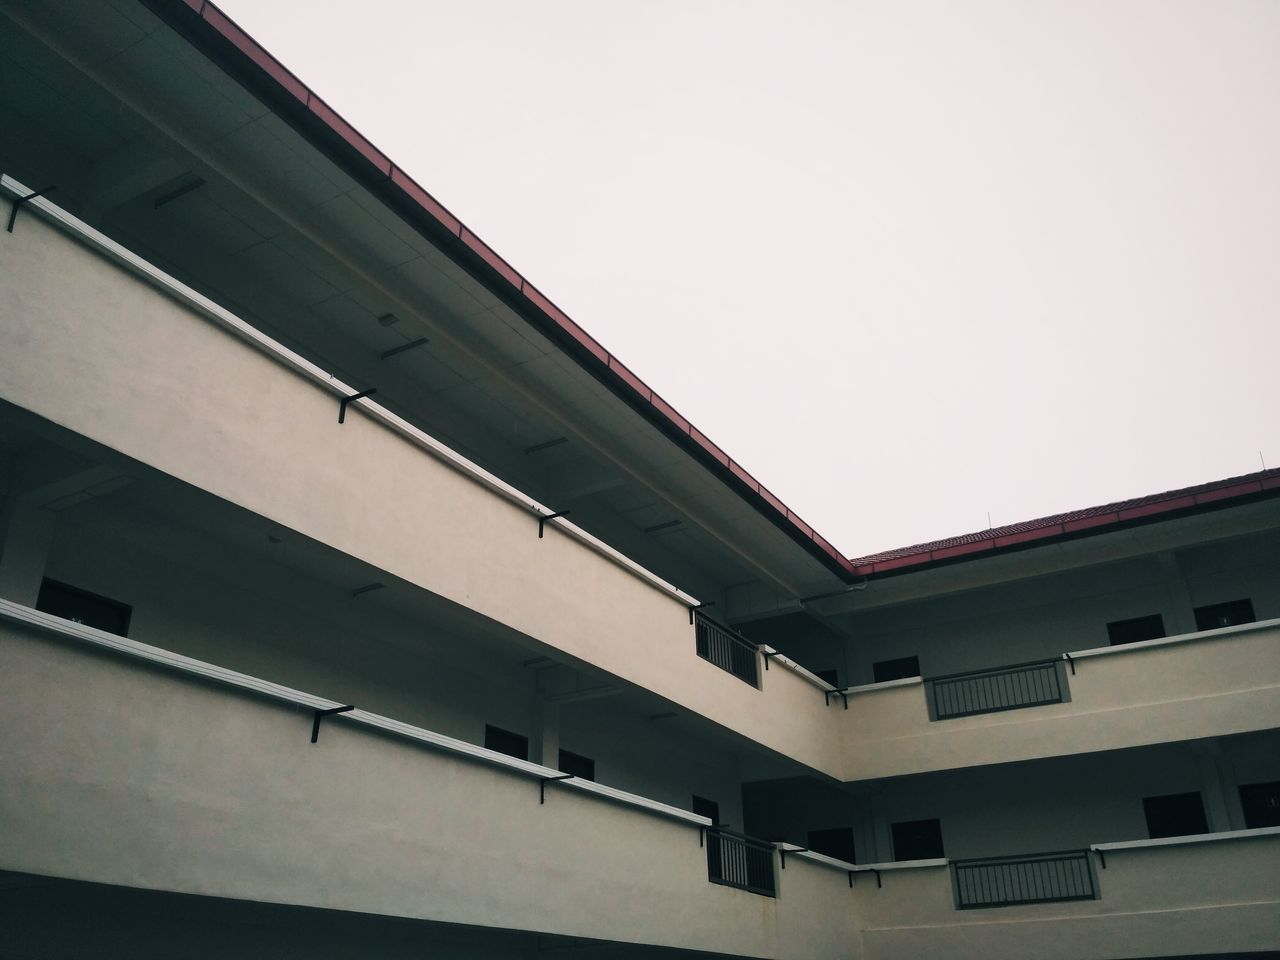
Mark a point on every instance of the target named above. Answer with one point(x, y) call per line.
point(727, 650)
point(737, 860)
point(1000, 688)
point(1030, 878)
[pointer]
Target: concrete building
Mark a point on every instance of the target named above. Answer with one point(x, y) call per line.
point(355, 601)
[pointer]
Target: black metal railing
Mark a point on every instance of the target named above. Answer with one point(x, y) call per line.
point(737, 860)
point(727, 650)
point(1000, 688)
point(1031, 878)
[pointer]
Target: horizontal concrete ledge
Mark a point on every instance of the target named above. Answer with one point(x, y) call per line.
point(298, 364)
point(795, 850)
point(1182, 841)
point(771, 654)
point(1218, 634)
point(886, 685)
point(69, 630)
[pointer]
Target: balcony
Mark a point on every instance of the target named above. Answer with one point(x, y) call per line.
point(1206, 684)
point(413, 507)
point(128, 765)
point(1208, 894)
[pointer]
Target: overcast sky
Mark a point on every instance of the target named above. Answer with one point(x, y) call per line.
point(907, 262)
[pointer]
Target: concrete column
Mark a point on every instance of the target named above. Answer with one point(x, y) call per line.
point(544, 740)
point(1181, 618)
point(1218, 788)
point(26, 533)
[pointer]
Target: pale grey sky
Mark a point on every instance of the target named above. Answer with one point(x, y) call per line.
point(907, 262)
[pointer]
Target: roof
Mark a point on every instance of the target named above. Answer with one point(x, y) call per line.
point(220, 38)
point(1155, 506)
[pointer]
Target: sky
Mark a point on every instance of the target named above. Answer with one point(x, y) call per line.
point(912, 264)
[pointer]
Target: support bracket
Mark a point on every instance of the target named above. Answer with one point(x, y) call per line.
point(782, 854)
point(319, 714)
point(544, 517)
point(709, 603)
point(343, 401)
point(1102, 858)
point(19, 201)
point(842, 691)
point(542, 785)
point(769, 656)
point(1070, 662)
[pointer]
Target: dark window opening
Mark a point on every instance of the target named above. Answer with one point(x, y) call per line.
point(504, 741)
point(899, 669)
point(917, 840)
point(1229, 614)
point(830, 677)
point(584, 768)
point(1261, 803)
point(707, 808)
point(1136, 630)
point(1177, 815)
point(836, 842)
point(81, 606)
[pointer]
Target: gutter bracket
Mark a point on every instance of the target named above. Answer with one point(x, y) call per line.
point(543, 518)
point(709, 603)
point(1071, 662)
point(319, 714)
point(542, 785)
point(343, 401)
point(19, 201)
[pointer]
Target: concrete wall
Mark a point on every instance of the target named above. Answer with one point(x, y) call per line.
point(121, 774)
point(1045, 616)
point(1205, 898)
point(1228, 682)
point(236, 424)
point(207, 598)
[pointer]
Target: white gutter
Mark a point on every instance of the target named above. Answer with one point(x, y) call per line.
point(277, 351)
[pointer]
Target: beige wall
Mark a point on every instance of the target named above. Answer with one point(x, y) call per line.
point(1203, 898)
point(152, 380)
point(1219, 685)
point(126, 775)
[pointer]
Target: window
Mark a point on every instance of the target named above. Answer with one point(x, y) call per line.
point(504, 741)
point(1261, 803)
point(830, 677)
point(917, 840)
point(1136, 630)
point(836, 842)
point(1177, 815)
point(584, 768)
point(1227, 614)
point(898, 669)
point(72, 603)
point(707, 808)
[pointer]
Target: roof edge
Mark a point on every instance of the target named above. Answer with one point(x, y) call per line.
point(216, 35)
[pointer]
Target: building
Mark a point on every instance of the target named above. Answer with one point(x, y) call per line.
point(353, 600)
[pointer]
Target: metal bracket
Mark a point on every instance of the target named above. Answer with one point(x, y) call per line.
point(542, 785)
point(315, 721)
point(342, 402)
point(1102, 858)
point(844, 695)
point(385, 354)
point(709, 603)
point(543, 518)
point(782, 854)
point(1071, 662)
point(19, 201)
point(770, 656)
point(877, 873)
point(850, 872)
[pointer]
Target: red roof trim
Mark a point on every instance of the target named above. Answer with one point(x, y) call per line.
point(254, 51)
point(1088, 522)
point(634, 382)
point(426, 201)
point(489, 256)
